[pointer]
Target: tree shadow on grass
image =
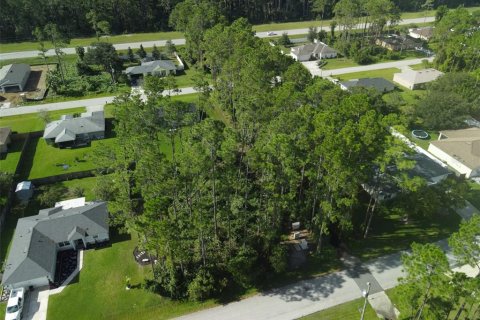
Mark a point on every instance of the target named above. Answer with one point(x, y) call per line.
point(27, 161)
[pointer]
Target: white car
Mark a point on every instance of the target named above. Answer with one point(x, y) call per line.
point(15, 304)
point(271, 33)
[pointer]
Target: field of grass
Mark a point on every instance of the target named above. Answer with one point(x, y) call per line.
point(345, 311)
point(99, 290)
point(31, 122)
point(339, 63)
point(3, 305)
point(87, 184)
point(474, 194)
point(8, 162)
point(382, 73)
point(388, 234)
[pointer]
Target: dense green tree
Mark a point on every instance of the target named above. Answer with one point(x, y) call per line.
point(464, 242)
point(156, 53)
point(141, 52)
point(105, 55)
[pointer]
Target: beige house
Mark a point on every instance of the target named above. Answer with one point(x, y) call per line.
point(415, 79)
point(315, 51)
point(460, 149)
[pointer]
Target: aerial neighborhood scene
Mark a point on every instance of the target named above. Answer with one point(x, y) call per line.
point(240, 160)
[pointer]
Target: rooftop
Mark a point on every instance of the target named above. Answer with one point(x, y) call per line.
point(379, 84)
point(462, 145)
point(419, 76)
point(13, 73)
point(68, 127)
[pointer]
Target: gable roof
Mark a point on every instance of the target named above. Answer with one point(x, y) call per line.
point(462, 145)
point(33, 251)
point(68, 127)
point(13, 74)
point(419, 76)
point(379, 84)
point(313, 49)
point(426, 32)
point(151, 66)
point(4, 134)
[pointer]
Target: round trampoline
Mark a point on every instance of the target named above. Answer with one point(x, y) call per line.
point(420, 134)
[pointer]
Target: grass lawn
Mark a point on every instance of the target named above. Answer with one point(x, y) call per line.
point(345, 311)
point(3, 306)
point(474, 194)
point(388, 234)
point(99, 290)
point(339, 63)
point(8, 162)
point(31, 122)
point(87, 184)
point(382, 73)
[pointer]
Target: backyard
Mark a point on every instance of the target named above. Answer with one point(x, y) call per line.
point(9, 161)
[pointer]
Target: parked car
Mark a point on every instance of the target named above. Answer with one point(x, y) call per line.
point(15, 304)
point(271, 33)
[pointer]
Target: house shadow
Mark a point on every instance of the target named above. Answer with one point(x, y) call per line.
point(33, 80)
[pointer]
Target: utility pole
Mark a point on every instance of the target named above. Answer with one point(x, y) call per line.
point(365, 295)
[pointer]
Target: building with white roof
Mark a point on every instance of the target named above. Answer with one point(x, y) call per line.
point(415, 79)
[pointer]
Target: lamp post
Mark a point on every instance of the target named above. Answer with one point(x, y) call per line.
point(365, 295)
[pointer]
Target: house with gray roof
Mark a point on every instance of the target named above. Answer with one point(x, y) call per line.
point(381, 85)
point(37, 239)
point(159, 68)
point(14, 77)
point(309, 51)
point(72, 131)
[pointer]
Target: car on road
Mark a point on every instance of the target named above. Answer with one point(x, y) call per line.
point(15, 304)
point(271, 33)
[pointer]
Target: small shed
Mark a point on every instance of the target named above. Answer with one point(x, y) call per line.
point(24, 190)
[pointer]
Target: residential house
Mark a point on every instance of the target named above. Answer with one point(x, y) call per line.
point(37, 239)
point(160, 68)
point(381, 85)
point(385, 187)
point(316, 51)
point(460, 149)
point(5, 139)
point(14, 77)
point(397, 43)
point(424, 33)
point(416, 79)
point(72, 131)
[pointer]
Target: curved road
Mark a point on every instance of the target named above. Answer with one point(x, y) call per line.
point(161, 43)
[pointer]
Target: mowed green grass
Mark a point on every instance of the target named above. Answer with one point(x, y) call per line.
point(32, 122)
point(381, 73)
point(473, 194)
point(3, 306)
point(8, 162)
point(99, 290)
point(389, 234)
point(345, 311)
point(339, 63)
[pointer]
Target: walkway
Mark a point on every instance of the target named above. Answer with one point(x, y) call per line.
point(93, 103)
point(161, 43)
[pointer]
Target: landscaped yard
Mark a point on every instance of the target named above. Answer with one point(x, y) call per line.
point(346, 311)
point(339, 63)
point(99, 290)
point(31, 122)
point(389, 234)
point(8, 162)
point(381, 73)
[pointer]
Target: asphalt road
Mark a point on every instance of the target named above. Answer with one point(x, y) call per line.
point(89, 103)
point(161, 43)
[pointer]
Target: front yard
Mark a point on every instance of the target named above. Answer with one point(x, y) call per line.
point(381, 73)
point(345, 311)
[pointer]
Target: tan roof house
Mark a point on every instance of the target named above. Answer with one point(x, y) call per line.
point(460, 149)
point(415, 79)
point(5, 139)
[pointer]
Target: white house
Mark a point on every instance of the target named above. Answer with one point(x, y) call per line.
point(460, 149)
point(37, 239)
point(414, 79)
point(424, 33)
point(309, 51)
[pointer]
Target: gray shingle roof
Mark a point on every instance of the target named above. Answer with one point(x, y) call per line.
point(33, 251)
point(12, 74)
point(379, 84)
point(67, 128)
point(313, 48)
point(150, 67)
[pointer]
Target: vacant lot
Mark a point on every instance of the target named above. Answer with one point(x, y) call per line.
point(382, 73)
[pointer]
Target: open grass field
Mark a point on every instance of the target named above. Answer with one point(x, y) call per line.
point(99, 290)
point(31, 122)
point(345, 311)
point(9, 161)
point(389, 234)
point(382, 73)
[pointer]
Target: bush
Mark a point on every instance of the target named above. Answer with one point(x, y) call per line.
point(202, 286)
point(278, 259)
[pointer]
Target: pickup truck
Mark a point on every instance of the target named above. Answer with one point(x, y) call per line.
point(15, 304)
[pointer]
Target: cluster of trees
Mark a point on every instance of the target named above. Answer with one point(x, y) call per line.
point(211, 199)
point(449, 101)
point(431, 290)
point(19, 18)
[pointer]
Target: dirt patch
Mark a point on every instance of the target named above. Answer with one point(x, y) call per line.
point(35, 87)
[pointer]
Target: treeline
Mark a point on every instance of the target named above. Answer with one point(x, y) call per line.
point(19, 18)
